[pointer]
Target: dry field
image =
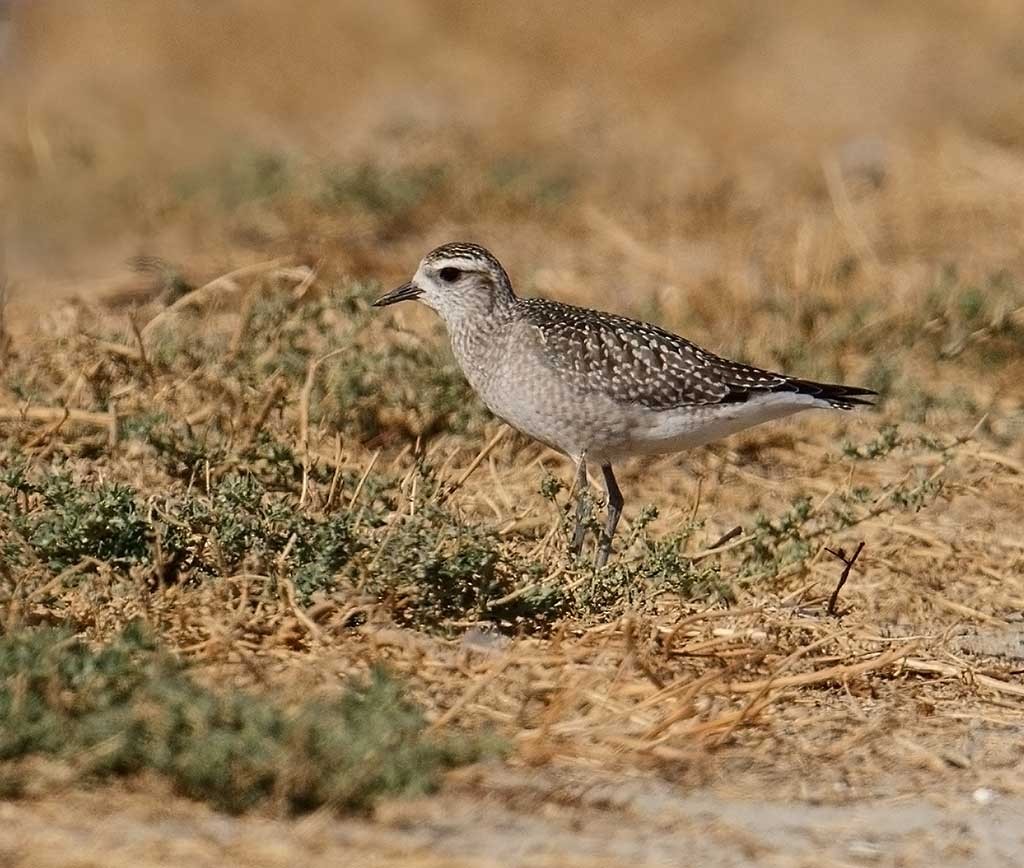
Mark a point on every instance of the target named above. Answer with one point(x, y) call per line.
point(276, 590)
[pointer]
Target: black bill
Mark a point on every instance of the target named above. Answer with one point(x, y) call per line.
point(406, 292)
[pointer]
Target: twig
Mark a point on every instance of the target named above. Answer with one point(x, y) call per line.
point(831, 673)
point(362, 480)
point(726, 537)
point(304, 398)
point(1000, 460)
point(47, 433)
point(107, 420)
point(849, 562)
point(311, 275)
point(62, 577)
point(668, 636)
point(729, 540)
point(525, 589)
point(696, 500)
point(223, 284)
point(475, 463)
point(935, 667)
point(5, 337)
point(332, 491)
point(296, 609)
point(306, 394)
point(760, 698)
point(277, 388)
point(288, 586)
point(472, 693)
point(120, 350)
point(147, 366)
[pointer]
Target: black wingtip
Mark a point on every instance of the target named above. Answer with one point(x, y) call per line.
point(839, 396)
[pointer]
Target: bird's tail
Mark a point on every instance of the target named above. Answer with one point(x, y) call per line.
point(833, 394)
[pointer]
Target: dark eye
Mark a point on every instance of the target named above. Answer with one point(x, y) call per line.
point(449, 274)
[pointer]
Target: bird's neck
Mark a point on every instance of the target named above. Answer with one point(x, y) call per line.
point(478, 338)
point(481, 314)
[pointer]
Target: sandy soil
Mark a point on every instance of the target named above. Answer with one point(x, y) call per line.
point(523, 819)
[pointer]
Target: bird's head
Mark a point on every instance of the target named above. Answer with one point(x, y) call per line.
point(456, 280)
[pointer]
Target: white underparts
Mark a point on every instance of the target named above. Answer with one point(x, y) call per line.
point(657, 432)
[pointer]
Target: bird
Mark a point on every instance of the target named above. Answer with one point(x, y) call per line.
point(596, 386)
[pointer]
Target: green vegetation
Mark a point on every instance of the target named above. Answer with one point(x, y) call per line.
point(129, 707)
point(237, 177)
point(427, 568)
point(70, 522)
point(374, 387)
point(387, 194)
point(799, 531)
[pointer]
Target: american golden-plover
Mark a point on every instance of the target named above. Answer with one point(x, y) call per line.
point(592, 385)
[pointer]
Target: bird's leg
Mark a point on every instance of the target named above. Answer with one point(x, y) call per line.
point(604, 547)
point(582, 486)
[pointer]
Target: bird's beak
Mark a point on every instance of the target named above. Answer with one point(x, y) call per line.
point(406, 292)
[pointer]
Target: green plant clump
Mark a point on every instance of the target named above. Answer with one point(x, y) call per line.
point(74, 521)
point(129, 707)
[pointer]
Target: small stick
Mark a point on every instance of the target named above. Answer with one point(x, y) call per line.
point(61, 414)
point(830, 673)
point(306, 394)
point(47, 433)
point(696, 501)
point(147, 366)
point(732, 536)
point(125, 352)
point(5, 338)
point(311, 275)
point(936, 667)
point(471, 693)
point(292, 603)
point(525, 589)
point(726, 537)
point(225, 284)
point(849, 562)
point(277, 389)
point(337, 474)
point(476, 462)
point(244, 321)
point(61, 577)
point(756, 697)
point(362, 480)
point(669, 638)
point(305, 482)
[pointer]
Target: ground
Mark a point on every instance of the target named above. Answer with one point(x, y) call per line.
point(276, 588)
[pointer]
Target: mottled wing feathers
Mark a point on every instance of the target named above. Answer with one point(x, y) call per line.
point(638, 363)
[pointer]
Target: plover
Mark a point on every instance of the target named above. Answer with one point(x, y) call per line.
point(592, 385)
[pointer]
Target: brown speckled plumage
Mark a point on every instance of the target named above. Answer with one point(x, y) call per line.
point(594, 385)
point(640, 363)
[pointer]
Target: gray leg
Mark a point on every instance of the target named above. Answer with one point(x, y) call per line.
point(604, 548)
point(582, 507)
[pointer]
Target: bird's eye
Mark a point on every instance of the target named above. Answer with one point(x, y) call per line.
point(449, 274)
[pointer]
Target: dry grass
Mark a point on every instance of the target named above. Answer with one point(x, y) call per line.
point(835, 191)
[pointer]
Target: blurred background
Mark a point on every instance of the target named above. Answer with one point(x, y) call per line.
point(188, 127)
point(737, 170)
